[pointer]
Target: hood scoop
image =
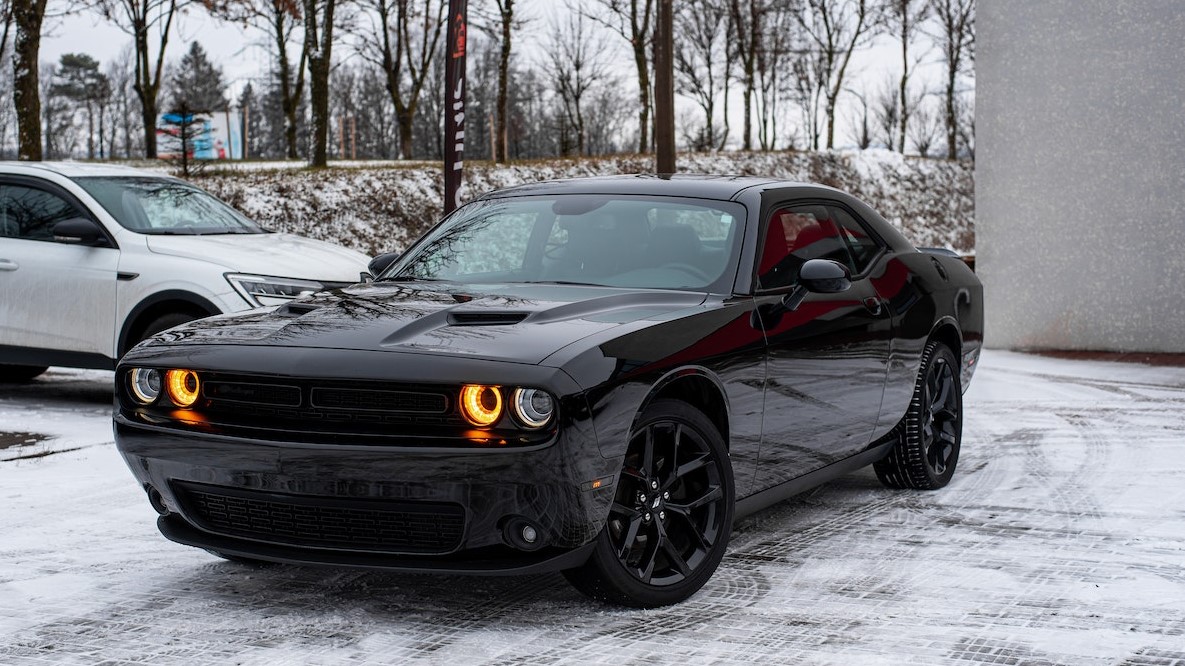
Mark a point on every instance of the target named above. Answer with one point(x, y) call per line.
point(486, 318)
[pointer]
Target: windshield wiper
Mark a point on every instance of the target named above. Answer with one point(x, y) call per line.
point(567, 283)
point(409, 278)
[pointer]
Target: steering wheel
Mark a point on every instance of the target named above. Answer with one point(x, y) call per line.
point(693, 271)
point(552, 249)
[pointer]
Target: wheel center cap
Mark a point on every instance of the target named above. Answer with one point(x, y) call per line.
point(657, 502)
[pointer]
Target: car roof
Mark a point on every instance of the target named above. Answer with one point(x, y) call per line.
point(721, 187)
point(81, 169)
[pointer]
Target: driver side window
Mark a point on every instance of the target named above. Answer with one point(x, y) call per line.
point(30, 213)
point(793, 236)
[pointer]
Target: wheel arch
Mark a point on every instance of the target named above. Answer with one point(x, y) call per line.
point(697, 387)
point(158, 304)
point(946, 330)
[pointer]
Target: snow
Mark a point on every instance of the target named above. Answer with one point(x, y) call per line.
point(1060, 540)
point(380, 207)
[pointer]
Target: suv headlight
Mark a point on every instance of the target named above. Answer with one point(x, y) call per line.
point(262, 290)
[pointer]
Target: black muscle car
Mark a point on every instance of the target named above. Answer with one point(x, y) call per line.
point(595, 376)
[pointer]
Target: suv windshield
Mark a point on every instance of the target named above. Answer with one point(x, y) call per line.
point(164, 206)
point(605, 240)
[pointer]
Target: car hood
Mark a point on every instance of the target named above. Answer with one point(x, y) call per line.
point(276, 255)
point(519, 323)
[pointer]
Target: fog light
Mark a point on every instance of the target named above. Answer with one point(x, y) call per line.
point(145, 384)
point(529, 534)
point(481, 405)
point(182, 386)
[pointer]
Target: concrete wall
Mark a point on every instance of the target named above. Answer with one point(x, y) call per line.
point(1080, 174)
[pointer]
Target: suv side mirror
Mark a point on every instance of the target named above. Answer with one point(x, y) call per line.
point(824, 276)
point(79, 231)
point(381, 263)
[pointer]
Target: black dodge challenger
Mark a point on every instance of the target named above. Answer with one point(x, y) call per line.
point(595, 376)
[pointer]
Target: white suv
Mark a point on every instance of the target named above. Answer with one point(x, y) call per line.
point(94, 259)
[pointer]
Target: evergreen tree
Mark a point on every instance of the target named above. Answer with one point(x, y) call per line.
point(196, 83)
point(79, 80)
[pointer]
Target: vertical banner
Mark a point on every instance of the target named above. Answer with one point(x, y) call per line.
point(454, 109)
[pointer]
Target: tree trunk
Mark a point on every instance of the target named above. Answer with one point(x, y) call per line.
point(904, 83)
point(643, 96)
point(26, 96)
point(319, 59)
point(501, 140)
point(952, 120)
point(405, 118)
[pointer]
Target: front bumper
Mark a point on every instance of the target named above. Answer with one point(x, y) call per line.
point(348, 505)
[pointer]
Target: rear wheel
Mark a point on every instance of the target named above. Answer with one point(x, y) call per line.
point(672, 512)
point(927, 440)
point(20, 373)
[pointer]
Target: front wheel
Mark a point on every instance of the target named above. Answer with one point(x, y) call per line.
point(927, 440)
point(672, 512)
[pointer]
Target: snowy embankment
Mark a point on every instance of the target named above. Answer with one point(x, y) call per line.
point(383, 207)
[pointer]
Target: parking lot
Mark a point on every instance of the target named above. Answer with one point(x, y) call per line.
point(1061, 540)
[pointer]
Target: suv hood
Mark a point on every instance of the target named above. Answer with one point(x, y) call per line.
point(275, 255)
point(516, 322)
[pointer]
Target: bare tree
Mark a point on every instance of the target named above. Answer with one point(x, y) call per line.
point(903, 19)
point(402, 40)
point(147, 21)
point(27, 16)
point(887, 111)
point(577, 63)
point(123, 115)
point(632, 19)
point(318, 45)
point(806, 89)
point(837, 28)
point(279, 19)
point(956, 38)
point(745, 19)
point(776, 45)
point(701, 65)
point(924, 130)
point(862, 121)
point(500, 25)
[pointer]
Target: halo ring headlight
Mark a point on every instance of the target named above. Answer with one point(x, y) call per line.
point(145, 385)
point(481, 405)
point(533, 407)
point(183, 386)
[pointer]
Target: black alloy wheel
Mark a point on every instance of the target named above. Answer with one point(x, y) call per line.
point(671, 516)
point(926, 448)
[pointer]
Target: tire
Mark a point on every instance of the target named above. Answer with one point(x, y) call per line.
point(20, 373)
point(162, 323)
point(926, 442)
point(658, 549)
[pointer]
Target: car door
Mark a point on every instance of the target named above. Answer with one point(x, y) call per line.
point(827, 356)
point(56, 296)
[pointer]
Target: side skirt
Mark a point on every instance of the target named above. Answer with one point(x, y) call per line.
point(770, 496)
point(33, 356)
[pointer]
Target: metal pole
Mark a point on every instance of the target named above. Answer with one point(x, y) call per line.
point(664, 89)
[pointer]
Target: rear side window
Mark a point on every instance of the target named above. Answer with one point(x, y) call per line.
point(31, 213)
point(862, 247)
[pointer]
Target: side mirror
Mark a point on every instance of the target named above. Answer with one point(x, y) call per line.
point(381, 263)
point(824, 276)
point(78, 231)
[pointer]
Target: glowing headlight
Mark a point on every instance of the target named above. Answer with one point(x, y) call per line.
point(481, 405)
point(262, 290)
point(182, 386)
point(145, 384)
point(533, 408)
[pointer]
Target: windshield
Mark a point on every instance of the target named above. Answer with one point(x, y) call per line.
point(606, 240)
point(164, 206)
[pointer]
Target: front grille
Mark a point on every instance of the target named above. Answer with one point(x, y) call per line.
point(325, 522)
point(379, 401)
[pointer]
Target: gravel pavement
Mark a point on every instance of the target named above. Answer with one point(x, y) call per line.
point(1060, 541)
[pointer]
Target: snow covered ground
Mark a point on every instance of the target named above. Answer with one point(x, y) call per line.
point(1061, 540)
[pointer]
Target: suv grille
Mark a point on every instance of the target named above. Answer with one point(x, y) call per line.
point(325, 522)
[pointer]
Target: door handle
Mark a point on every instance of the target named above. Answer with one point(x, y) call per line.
point(6, 265)
point(874, 305)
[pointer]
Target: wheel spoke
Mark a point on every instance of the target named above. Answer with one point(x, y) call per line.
point(713, 494)
point(647, 570)
point(675, 557)
point(648, 453)
point(621, 509)
point(688, 467)
point(631, 535)
point(703, 541)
